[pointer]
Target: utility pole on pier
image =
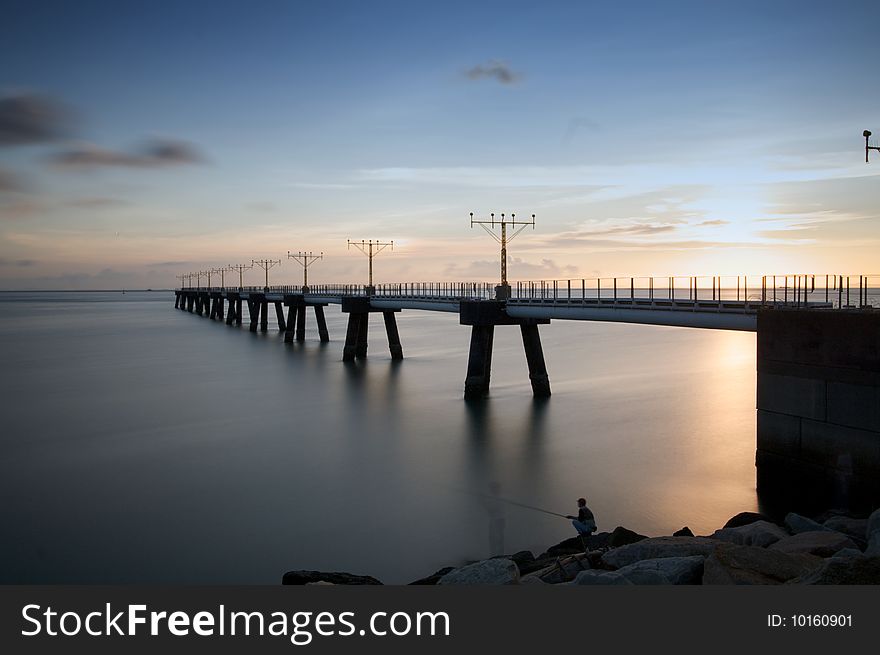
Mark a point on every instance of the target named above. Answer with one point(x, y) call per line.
point(371, 249)
point(222, 272)
point(305, 259)
point(502, 292)
point(198, 275)
point(208, 273)
point(266, 264)
point(241, 268)
point(181, 278)
point(868, 146)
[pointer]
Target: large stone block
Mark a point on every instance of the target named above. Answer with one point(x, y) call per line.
point(854, 405)
point(841, 448)
point(787, 394)
point(779, 433)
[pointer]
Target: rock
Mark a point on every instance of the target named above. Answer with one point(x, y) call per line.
point(733, 564)
point(684, 532)
point(574, 545)
point(759, 533)
point(600, 578)
point(333, 577)
point(797, 523)
point(823, 543)
point(850, 570)
point(531, 579)
point(873, 525)
point(621, 537)
point(665, 570)
point(847, 552)
point(488, 572)
point(855, 529)
point(565, 569)
point(434, 577)
point(655, 547)
point(872, 534)
point(744, 518)
point(522, 559)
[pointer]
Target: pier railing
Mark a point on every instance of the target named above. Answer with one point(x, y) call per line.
point(838, 291)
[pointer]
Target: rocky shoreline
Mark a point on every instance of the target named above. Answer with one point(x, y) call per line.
point(751, 548)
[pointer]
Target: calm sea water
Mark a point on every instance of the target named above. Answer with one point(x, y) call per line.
point(145, 444)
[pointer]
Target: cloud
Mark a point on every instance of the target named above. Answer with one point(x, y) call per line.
point(20, 209)
point(95, 202)
point(29, 118)
point(157, 153)
point(494, 69)
point(716, 222)
point(9, 181)
point(518, 268)
point(20, 263)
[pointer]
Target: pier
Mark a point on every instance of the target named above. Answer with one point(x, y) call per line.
point(818, 354)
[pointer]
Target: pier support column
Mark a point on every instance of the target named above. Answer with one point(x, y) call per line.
point(301, 323)
point(176, 300)
point(264, 315)
point(393, 335)
point(290, 328)
point(254, 312)
point(351, 336)
point(279, 314)
point(476, 384)
point(483, 316)
point(230, 311)
point(238, 311)
point(220, 308)
point(322, 324)
point(360, 351)
point(535, 358)
point(190, 303)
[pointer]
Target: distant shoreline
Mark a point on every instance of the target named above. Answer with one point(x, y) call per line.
point(86, 290)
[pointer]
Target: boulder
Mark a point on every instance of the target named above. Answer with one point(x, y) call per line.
point(574, 545)
point(621, 536)
point(823, 543)
point(434, 578)
point(332, 577)
point(848, 552)
point(684, 532)
point(733, 564)
point(655, 547)
point(744, 518)
point(600, 578)
point(872, 534)
point(855, 529)
point(665, 570)
point(564, 569)
point(759, 533)
point(849, 570)
point(797, 523)
point(488, 572)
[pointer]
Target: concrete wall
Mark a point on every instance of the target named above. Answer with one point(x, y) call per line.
point(818, 441)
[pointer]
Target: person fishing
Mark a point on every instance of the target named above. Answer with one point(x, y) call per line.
point(584, 522)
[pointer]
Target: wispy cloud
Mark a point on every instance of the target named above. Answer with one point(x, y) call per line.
point(520, 268)
point(496, 70)
point(29, 118)
point(20, 263)
point(716, 223)
point(157, 153)
point(9, 181)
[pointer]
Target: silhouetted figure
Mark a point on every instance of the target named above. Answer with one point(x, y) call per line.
point(584, 522)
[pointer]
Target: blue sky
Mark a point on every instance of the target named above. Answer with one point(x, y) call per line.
point(649, 138)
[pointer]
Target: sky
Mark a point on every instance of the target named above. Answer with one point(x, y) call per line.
point(144, 140)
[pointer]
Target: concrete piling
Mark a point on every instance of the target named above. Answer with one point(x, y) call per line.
point(479, 370)
point(322, 324)
point(393, 335)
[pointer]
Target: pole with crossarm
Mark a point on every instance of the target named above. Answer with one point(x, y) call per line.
point(371, 249)
point(241, 268)
point(266, 264)
point(503, 291)
point(222, 271)
point(868, 146)
point(305, 259)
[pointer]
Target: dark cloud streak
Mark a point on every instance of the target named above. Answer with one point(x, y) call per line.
point(154, 154)
point(31, 118)
point(494, 69)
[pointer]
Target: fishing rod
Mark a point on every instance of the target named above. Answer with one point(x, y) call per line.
point(531, 507)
